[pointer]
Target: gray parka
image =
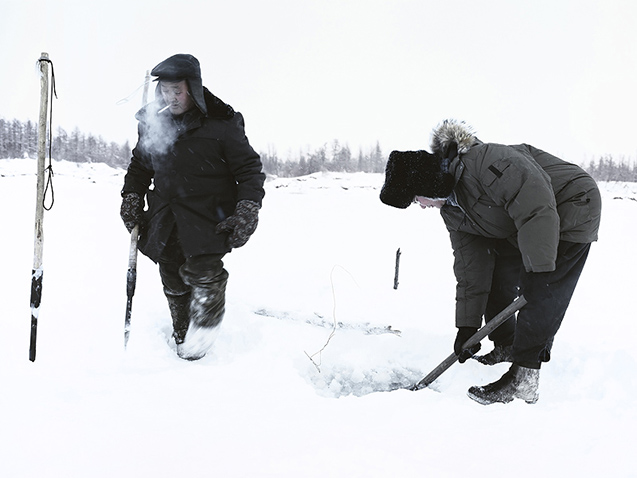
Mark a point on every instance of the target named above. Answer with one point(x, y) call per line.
point(518, 193)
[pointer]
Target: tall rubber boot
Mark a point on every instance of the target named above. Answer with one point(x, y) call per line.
point(179, 306)
point(207, 309)
point(519, 382)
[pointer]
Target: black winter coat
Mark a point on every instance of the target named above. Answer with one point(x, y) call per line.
point(193, 169)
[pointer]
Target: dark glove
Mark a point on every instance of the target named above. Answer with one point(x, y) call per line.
point(464, 334)
point(241, 224)
point(132, 210)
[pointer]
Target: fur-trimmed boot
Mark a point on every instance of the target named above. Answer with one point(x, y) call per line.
point(519, 382)
point(179, 306)
point(499, 354)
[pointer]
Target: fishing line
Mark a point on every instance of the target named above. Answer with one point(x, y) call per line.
point(334, 324)
point(127, 99)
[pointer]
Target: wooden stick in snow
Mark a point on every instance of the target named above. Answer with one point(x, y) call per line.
point(36, 273)
point(397, 265)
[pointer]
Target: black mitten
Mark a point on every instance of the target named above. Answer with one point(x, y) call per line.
point(241, 224)
point(464, 334)
point(132, 210)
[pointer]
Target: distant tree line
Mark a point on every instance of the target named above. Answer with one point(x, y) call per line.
point(607, 169)
point(336, 158)
point(19, 139)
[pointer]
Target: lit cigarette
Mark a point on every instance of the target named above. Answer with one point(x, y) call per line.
point(163, 109)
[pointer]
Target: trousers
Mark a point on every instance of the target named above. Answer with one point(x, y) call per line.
point(195, 286)
point(548, 296)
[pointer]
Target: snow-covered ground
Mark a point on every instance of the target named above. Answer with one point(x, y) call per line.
point(268, 402)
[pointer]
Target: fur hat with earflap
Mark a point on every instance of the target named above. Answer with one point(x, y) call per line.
point(182, 67)
point(415, 173)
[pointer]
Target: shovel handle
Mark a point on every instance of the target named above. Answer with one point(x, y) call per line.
point(132, 253)
point(493, 324)
point(131, 280)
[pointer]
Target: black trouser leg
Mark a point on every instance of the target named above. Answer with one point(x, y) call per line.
point(176, 291)
point(195, 287)
point(548, 295)
point(504, 289)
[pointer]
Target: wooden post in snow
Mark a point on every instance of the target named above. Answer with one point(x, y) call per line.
point(36, 275)
point(146, 85)
point(396, 270)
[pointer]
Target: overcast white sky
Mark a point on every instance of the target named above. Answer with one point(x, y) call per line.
point(560, 74)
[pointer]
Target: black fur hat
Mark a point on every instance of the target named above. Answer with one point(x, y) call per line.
point(183, 67)
point(414, 173)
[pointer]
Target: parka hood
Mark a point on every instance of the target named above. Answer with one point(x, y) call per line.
point(452, 137)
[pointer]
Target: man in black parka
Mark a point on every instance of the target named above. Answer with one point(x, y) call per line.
point(521, 221)
point(203, 184)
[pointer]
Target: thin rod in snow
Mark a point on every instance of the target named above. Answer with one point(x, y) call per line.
point(397, 266)
point(36, 276)
point(131, 280)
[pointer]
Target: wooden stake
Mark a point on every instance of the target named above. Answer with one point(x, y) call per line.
point(146, 85)
point(36, 275)
point(396, 271)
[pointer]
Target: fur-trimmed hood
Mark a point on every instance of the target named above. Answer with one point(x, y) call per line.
point(452, 137)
